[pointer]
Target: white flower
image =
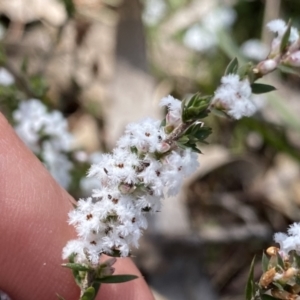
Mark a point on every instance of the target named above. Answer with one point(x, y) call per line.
point(234, 97)
point(199, 39)
point(46, 134)
point(57, 163)
point(144, 135)
point(154, 11)
point(173, 105)
point(289, 242)
point(277, 26)
point(203, 36)
point(255, 49)
point(131, 182)
point(6, 78)
point(219, 18)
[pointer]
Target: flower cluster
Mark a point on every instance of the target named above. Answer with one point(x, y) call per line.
point(281, 267)
point(234, 97)
point(203, 36)
point(285, 47)
point(150, 162)
point(279, 27)
point(289, 242)
point(133, 179)
point(46, 134)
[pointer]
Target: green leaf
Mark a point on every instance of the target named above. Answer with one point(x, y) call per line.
point(285, 39)
point(259, 88)
point(59, 297)
point(96, 285)
point(279, 286)
point(251, 76)
point(89, 294)
point(76, 273)
point(195, 149)
point(70, 7)
point(273, 262)
point(280, 261)
point(76, 267)
point(191, 146)
point(203, 133)
point(183, 103)
point(117, 278)
point(219, 113)
point(267, 297)
point(265, 262)
point(289, 70)
point(183, 140)
point(250, 282)
point(195, 108)
point(163, 123)
point(232, 67)
point(134, 149)
point(244, 70)
point(296, 259)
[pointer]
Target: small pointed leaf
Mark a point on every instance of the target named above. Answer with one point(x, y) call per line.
point(280, 261)
point(163, 123)
point(232, 67)
point(273, 262)
point(69, 7)
point(96, 285)
point(285, 39)
point(289, 70)
point(117, 278)
point(59, 297)
point(244, 70)
point(265, 262)
point(259, 88)
point(296, 259)
point(89, 294)
point(250, 282)
point(75, 266)
point(183, 140)
point(219, 113)
point(76, 273)
point(279, 286)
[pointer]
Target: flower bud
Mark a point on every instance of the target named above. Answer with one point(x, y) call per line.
point(289, 274)
point(272, 251)
point(173, 118)
point(267, 278)
point(163, 147)
point(169, 128)
point(293, 59)
point(106, 267)
point(126, 188)
point(266, 66)
point(110, 262)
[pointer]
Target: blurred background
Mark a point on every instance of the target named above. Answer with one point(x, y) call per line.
point(105, 63)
